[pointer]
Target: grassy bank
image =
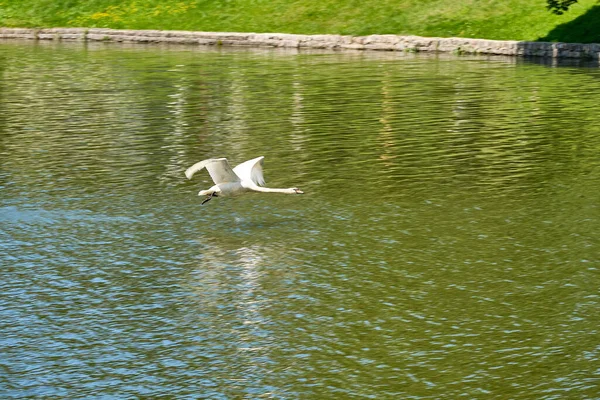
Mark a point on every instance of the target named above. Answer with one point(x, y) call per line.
point(489, 19)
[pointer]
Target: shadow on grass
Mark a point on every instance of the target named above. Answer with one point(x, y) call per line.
point(583, 29)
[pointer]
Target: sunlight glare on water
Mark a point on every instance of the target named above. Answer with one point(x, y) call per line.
point(446, 245)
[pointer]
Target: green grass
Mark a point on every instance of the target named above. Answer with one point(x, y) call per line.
point(488, 19)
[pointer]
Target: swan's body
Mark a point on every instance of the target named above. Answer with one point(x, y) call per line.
point(246, 177)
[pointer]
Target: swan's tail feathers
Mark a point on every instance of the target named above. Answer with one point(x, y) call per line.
point(195, 168)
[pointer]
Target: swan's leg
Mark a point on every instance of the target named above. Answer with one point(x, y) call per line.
point(207, 199)
point(209, 196)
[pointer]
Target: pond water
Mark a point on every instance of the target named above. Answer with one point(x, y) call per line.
point(446, 247)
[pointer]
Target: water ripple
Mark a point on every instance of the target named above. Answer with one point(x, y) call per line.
point(445, 247)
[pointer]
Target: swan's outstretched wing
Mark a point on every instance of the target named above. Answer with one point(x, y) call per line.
point(251, 170)
point(218, 168)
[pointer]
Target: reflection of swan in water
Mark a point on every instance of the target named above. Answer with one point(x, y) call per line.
point(246, 177)
point(228, 290)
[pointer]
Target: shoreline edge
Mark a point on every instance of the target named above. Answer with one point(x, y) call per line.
point(414, 44)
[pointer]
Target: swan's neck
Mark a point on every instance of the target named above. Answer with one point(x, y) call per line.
point(273, 190)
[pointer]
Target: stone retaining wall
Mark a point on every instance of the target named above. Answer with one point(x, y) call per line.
point(372, 42)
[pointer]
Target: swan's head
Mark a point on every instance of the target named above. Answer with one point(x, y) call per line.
point(296, 191)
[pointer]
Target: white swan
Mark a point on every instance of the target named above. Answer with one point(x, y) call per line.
point(246, 177)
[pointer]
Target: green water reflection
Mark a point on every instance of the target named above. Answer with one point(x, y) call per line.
point(446, 247)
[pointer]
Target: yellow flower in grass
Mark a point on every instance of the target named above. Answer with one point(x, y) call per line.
point(112, 13)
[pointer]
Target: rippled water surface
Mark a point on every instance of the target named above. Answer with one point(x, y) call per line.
point(446, 247)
